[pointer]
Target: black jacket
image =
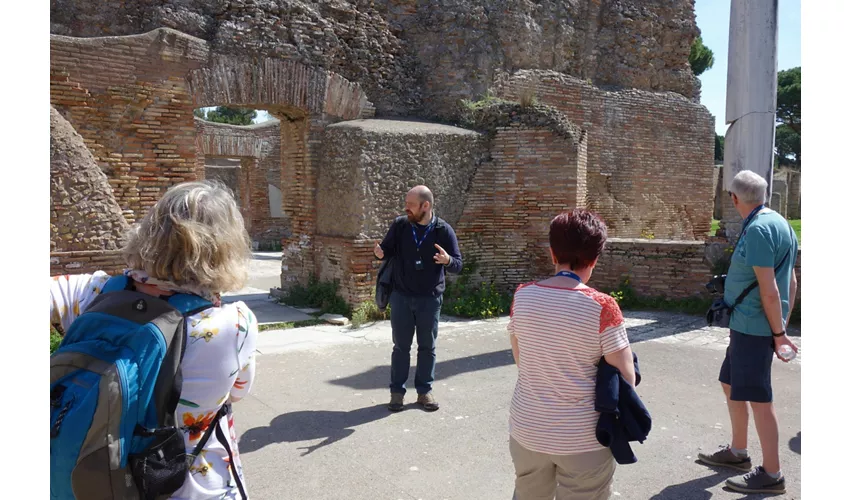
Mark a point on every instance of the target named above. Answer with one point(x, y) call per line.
point(399, 246)
point(623, 417)
point(384, 286)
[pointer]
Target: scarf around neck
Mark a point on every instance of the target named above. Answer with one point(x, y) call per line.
point(170, 286)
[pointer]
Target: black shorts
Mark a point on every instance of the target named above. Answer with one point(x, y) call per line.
point(747, 367)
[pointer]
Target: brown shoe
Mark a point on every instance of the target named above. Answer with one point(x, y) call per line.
point(428, 402)
point(396, 401)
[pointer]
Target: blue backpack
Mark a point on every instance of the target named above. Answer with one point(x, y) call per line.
point(115, 382)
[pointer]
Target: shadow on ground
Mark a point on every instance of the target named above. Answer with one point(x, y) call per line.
point(695, 489)
point(330, 426)
point(794, 443)
point(378, 377)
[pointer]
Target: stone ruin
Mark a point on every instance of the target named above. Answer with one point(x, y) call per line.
point(510, 111)
point(785, 195)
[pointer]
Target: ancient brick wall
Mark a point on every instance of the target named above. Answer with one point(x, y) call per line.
point(86, 261)
point(499, 188)
point(669, 269)
point(650, 155)
point(533, 175)
point(258, 146)
point(299, 141)
point(229, 176)
point(367, 168)
point(282, 86)
point(349, 261)
point(421, 56)
point(654, 268)
point(128, 99)
point(131, 98)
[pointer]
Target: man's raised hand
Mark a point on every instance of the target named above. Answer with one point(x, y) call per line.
point(379, 252)
point(442, 257)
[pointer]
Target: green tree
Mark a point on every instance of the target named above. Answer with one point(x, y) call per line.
point(233, 116)
point(788, 98)
point(719, 142)
point(701, 57)
point(787, 142)
point(200, 113)
point(787, 146)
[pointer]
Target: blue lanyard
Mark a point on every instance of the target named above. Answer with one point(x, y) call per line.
point(416, 239)
point(747, 222)
point(750, 217)
point(569, 274)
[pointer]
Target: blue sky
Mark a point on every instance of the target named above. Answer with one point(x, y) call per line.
point(713, 21)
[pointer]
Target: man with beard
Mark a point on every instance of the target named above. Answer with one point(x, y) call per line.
point(424, 247)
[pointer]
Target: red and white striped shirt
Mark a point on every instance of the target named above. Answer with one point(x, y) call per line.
point(562, 333)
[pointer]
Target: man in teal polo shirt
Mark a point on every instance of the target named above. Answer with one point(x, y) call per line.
point(766, 253)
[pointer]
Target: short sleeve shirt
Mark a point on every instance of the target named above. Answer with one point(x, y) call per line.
point(766, 241)
point(562, 333)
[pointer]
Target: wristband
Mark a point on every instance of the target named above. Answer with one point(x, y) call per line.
point(778, 334)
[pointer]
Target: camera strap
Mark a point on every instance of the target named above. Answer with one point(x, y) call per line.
point(754, 284)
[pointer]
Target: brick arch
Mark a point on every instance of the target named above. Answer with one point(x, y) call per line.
point(258, 149)
point(305, 99)
point(283, 86)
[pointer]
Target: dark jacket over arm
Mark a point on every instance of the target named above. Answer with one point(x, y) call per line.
point(390, 244)
point(623, 417)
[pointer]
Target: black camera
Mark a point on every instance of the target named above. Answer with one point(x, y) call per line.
point(717, 284)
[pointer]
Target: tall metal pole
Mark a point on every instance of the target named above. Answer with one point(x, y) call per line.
point(750, 98)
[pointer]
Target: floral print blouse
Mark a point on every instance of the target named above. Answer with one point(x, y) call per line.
point(219, 363)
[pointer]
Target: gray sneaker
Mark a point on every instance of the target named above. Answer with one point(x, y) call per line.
point(396, 402)
point(756, 481)
point(725, 458)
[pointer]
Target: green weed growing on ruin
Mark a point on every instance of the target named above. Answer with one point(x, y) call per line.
point(628, 299)
point(467, 300)
point(323, 295)
point(368, 312)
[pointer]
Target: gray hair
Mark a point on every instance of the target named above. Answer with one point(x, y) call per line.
point(749, 187)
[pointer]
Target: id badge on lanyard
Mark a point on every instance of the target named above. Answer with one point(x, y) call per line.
point(418, 264)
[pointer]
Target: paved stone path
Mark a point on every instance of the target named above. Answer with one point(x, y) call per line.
point(316, 426)
point(264, 275)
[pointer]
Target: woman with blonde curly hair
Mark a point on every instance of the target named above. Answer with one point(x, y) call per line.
point(193, 241)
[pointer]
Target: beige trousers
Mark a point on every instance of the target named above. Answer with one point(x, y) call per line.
point(584, 476)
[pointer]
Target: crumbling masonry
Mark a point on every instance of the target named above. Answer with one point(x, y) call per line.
point(511, 115)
